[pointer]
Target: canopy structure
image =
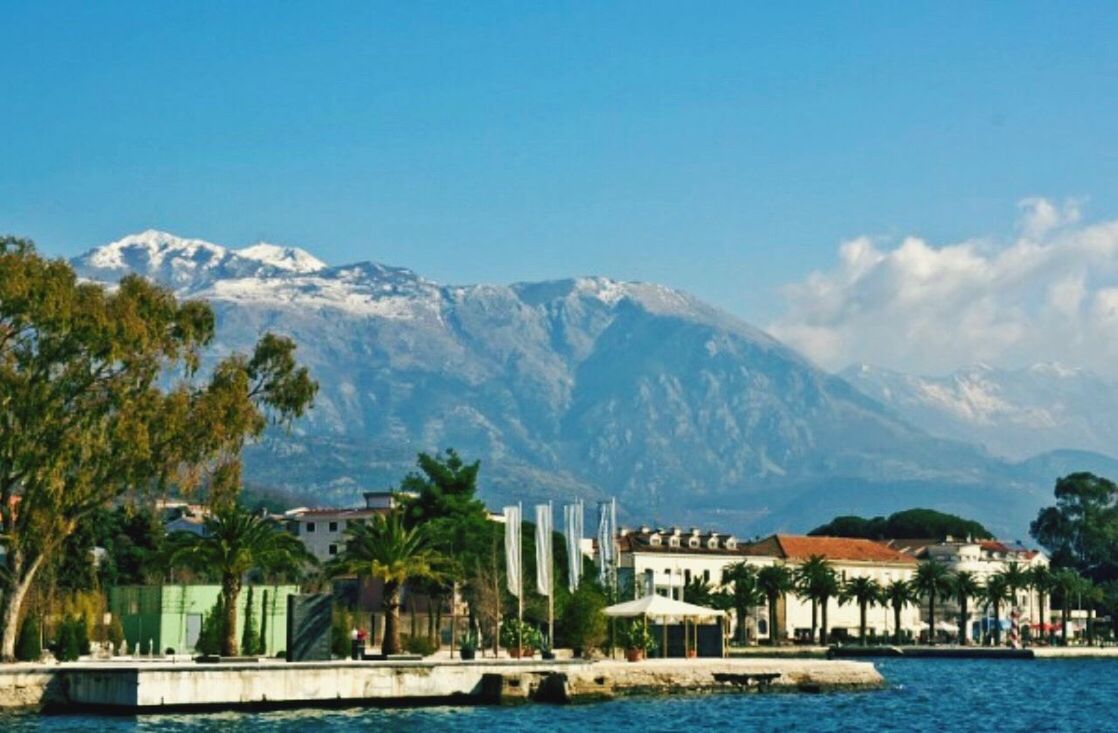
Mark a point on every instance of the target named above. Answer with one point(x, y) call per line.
point(656, 606)
point(663, 608)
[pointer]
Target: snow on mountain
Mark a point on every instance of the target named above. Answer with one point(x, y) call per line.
point(291, 259)
point(187, 264)
point(1015, 413)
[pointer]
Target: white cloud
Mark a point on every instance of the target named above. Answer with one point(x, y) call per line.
point(1050, 295)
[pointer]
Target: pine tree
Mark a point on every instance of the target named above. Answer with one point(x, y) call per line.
point(30, 645)
point(262, 647)
point(250, 640)
point(68, 642)
point(81, 635)
point(213, 629)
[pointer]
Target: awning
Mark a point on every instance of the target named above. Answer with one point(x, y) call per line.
point(1045, 627)
point(657, 606)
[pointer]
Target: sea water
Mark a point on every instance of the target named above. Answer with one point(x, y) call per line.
point(922, 695)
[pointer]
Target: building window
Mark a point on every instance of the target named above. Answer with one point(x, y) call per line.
point(686, 576)
point(693, 542)
point(310, 527)
point(673, 542)
point(333, 549)
point(654, 540)
point(731, 544)
point(333, 526)
point(706, 575)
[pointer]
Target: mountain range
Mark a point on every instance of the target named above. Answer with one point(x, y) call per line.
point(587, 387)
point(1014, 413)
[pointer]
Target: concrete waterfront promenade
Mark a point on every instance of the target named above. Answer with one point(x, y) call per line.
point(161, 687)
point(974, 652)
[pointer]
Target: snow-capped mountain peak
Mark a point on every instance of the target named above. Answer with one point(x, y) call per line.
point(292, 259)
point(188, 265)
point(153, 247)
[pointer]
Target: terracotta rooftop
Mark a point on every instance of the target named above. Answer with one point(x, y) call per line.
point(800, 547)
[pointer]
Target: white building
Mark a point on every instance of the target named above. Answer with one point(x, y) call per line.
point(850, 558)
point(984, 558)
point(664, 560)
point(322, 530)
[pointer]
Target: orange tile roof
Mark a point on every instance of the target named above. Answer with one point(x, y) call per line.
point(799, 547)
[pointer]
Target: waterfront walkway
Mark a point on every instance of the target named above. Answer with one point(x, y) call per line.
point(160, 687)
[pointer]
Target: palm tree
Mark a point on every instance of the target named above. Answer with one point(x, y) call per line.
point(817, 580)
point(1040, 578)
point(698, 591)
point(746, 593)
point(864, 591)
point(932, 581)
point(899, 593)
point(965, 587)
point(997, 592)
point(232, 543)
point(775, 581)
point(1017, 578)
point(1066, 582)
point(388, 550)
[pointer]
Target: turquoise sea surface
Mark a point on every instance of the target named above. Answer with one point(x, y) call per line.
point(923, 695)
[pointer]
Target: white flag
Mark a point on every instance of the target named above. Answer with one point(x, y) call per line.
point(572, 521)
point(543, 549)
point(512, 549)
point(605, 542)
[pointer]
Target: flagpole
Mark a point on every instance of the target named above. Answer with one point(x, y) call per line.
point(520, 583)
point(551, 581)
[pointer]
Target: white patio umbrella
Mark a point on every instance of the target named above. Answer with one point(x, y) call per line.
point(663, 608)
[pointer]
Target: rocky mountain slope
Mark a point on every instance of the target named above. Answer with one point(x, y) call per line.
point(587, 386)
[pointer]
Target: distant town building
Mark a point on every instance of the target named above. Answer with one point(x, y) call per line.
point(984, 558)
point(664, 561)
point(322, 529)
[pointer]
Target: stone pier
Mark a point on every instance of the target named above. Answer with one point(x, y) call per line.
point(155, 687)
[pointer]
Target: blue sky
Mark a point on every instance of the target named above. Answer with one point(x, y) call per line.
point(726, 149)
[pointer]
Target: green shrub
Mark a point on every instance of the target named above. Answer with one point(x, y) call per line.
point(420, 645)
point(68, 642)
point(30, 647)
point(115, 634)
point(341, 630)
point(583, 625)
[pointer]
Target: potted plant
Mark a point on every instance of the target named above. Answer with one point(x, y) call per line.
point(546, 651)
point(638, 641)
point(519, 638)
point(467, 647)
